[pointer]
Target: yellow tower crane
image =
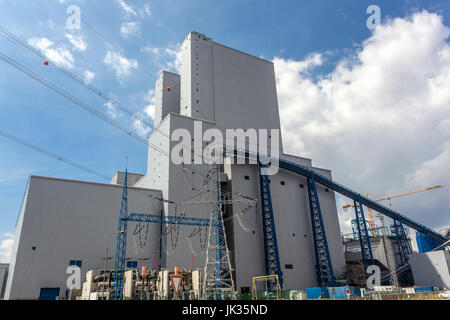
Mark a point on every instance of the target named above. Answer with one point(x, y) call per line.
point(369, 210)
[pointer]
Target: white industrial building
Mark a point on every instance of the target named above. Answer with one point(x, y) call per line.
point(64, 222)
point(437, 266)
point(3, 277)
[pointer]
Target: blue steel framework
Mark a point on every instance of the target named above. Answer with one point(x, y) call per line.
point(313, 177)
point(271, 255)
point(354, 230)
point(324, 267)
point(363, 235)
point(124, 218)
point(402, 242)
point(121, 243)
point(326, 182)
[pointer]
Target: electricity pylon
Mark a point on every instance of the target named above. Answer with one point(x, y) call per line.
point(218, 279)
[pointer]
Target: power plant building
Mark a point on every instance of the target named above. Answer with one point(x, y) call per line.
point(65, 222)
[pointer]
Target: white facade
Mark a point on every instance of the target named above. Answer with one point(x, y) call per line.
point(431, 268)
point(224, 88)
point(63, 220)
point(219, 87)
point(3, 277)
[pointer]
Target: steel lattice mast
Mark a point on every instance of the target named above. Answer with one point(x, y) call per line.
point(218, 278)
point(121, 248)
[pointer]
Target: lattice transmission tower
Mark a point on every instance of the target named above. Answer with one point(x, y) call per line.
point(218, 281)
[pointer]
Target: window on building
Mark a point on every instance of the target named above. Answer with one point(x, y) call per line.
point(132, 264)
point(327, 190)
point(246, 177)
point(75, 263)
point(288, 266)
point(283, 183)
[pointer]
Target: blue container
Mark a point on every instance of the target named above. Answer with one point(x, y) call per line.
point(423, 289)
point(337, 292)
point(341, 292)
point(316, 293)
point(332, 292)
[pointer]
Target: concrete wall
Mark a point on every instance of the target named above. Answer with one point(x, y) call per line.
point(132, 178)
point(229, 89)
point(353, 251)
point(227, 86)
point(3, 277)
point(185, 185)
point(64, 220)
point(431, 268)
point(178, 184)
point(167, 95)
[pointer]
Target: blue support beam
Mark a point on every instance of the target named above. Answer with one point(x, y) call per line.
point(156, 218)
point(363, 235)
point(355, 230)
point(324, 268)
point(307, 172)
point(121, 248)
point(271, 255)
point(339, 188)
point(402, 242)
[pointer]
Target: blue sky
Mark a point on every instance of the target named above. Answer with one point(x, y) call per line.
point(145, 35)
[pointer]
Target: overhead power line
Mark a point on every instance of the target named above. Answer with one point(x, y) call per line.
point(98, 92)
point(73, 76)
point(85, 106)
point(53, 155)
point(67, 95)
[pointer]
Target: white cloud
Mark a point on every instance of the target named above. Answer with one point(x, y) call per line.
point(380, 119)
point(6, 247)
point(59, 55)
point(170, 56)
point(149, 109)
point(129, 29)
point(127, 8)
point(148, 112)
point(174, 53)
point(77, 42)
point(89, 76)
point(147, 11)
point(153, 50)
point(121, 65)
point(112, 111)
